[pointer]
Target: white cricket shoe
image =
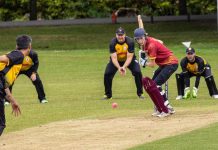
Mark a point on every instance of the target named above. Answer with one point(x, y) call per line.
point(44, 101)
point(215, 96)
point(156, 113)
point(171, 110)
point(179, 97)
point(163, 114)
point(6, 103)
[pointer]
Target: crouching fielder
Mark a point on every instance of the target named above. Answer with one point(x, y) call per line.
point(159, 54)
point(194, 66)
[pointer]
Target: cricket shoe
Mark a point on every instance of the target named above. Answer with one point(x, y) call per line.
point(156, 113)
point(106, 98)
point(163, 114)
point(215, 96)
point(179, 97)
point(141, 97)
point(6, 103)
point(44, 101)
point(171, 110)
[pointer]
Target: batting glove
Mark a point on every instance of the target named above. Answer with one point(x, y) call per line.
point(142, 62)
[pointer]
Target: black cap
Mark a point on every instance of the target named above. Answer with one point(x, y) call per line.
point(23, 41)
point(190, 50)
point(120, 31)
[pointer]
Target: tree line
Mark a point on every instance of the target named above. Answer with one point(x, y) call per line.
point(11, 10)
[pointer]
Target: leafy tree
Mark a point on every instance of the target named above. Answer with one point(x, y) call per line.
point(63, 9)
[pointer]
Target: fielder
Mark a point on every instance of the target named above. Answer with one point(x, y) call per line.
point(29, 68)
point(157, 53)
point(10, 65)
point(121, 57)
point(193, 65)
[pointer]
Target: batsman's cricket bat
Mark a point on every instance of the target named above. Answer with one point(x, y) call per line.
point(140, 22)
point(141, 25)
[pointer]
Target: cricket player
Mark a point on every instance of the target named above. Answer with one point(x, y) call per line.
point(10, 65)
point(194, 66)
point(29, 68)
point(157, 54)
point(122, 57)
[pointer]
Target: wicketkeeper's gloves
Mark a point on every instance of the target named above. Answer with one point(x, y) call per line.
point(142, 58)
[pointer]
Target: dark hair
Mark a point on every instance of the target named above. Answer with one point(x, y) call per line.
point(23, 41)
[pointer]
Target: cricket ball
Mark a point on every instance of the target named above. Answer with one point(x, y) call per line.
point(114, 105)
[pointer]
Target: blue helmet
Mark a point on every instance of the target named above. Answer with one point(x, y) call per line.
point(139, 32)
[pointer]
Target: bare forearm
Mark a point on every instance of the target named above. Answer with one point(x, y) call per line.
point(116, 64)
point(9, 96)
point(128, 60)
point(4, 59)
point(114, 60)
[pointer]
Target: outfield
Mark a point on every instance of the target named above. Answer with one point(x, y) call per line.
point(72, 63)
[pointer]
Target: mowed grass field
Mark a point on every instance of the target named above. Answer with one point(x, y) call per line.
point(72, 63)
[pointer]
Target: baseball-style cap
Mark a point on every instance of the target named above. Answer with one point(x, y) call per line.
point(190, 50)
point(120, 31)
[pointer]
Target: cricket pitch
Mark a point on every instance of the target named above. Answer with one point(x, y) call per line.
point(104, 134)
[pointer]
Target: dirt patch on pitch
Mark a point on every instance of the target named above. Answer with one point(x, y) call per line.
point(102, 134)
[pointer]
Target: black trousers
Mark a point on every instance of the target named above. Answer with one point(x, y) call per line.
point(187, 75)
point(2, 115)
point(37, 83)
point(2, 107)
point(111, 70)
point(163, 73)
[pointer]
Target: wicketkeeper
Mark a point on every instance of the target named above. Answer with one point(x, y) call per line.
point(194, 66)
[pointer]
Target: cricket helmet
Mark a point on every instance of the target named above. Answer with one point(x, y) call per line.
point(139, 32)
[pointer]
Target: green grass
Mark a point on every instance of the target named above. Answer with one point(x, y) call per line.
point(72, 63)
point(202, 139)
point(97, 36)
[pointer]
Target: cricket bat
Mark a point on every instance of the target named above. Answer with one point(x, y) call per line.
point(141, 25)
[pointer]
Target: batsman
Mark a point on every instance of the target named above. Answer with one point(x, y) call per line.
point(156, 54)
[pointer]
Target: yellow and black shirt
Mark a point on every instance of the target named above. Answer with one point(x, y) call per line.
point(197, 67)
point(122, 48)
point(11, 70)
point(30, 62)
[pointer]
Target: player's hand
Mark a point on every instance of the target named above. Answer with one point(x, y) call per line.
point(15, 108)
point(122, 71)
point(33, 76)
